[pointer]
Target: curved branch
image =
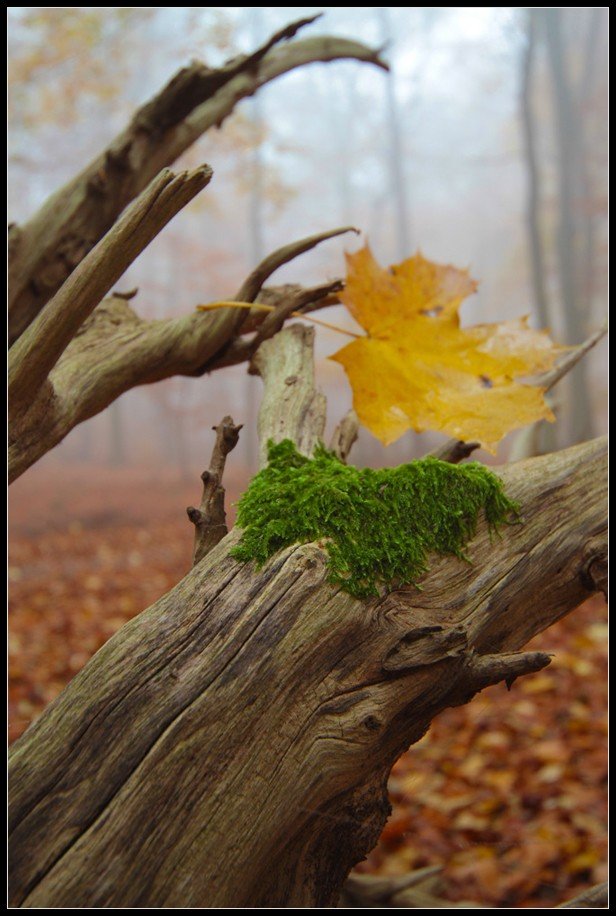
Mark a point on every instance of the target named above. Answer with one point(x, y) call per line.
point(251, 286)
point(52, 243)
point(115, 350)
point(34, 355)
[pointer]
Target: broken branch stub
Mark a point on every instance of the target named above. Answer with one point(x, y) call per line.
point(291, 407)
point(210, 518)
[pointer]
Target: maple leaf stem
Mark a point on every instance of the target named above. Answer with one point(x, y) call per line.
point(210, 306)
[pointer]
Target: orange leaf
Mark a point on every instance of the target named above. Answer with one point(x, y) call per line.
point(417, 368)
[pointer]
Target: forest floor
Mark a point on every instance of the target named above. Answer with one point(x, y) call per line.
point(508, 793)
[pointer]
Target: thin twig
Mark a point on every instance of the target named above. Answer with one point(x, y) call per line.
point(280, 312)
point(251, 286)
point(551, 378)
point(210, 518)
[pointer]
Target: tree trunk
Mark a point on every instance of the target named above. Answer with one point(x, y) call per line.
point(533, 196)
point(231, 745)
point(544, 435)
point(397, 180)
point(570, 221)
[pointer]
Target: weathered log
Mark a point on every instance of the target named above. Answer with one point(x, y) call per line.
point(231, 745)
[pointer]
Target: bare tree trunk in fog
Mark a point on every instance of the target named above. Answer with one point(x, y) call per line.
point(587, 82)
point(256, 240)
point(533, 198)
point(569, 236)
point(117, 452)
point(397, 187)
point(181, 450)
point(545, 434)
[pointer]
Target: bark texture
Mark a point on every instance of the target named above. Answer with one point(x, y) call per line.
point(231, 745)
point(113, 349)
point(45, 250)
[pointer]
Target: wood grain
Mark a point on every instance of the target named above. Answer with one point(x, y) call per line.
point(231, 745)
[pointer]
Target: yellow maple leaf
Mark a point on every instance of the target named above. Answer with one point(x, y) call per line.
point(418, 369)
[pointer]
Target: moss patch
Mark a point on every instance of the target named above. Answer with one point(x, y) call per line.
point(379, 525)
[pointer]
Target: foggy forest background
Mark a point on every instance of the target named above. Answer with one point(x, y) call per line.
point(476, 147)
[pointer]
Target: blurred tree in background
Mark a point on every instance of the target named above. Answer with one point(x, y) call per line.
point(451, 129)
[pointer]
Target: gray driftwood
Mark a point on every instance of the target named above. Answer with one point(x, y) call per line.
point(231, 745)
point(71, 351)
point(57, 381)
point(45, 250)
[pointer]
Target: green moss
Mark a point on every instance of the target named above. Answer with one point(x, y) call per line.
point(379, 525)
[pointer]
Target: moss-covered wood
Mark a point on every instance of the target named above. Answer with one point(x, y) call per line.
point(231, 745)
point(379, 525)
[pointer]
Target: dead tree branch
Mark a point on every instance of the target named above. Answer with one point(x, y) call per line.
point(274, 680)
point(115, 350)
point(251, 287)
point(291, 408)
point(34, 355)
point(210, 519)
point(551, 378)
point(46, 249)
